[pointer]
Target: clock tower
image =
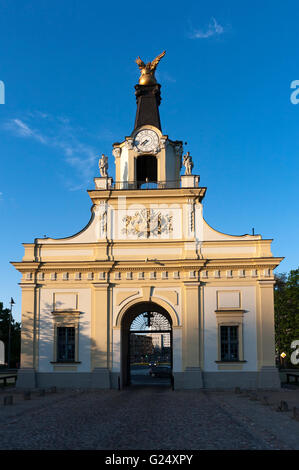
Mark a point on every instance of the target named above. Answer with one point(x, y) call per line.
point(147, 156)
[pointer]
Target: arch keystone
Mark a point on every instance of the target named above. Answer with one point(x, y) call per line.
point(147, 293)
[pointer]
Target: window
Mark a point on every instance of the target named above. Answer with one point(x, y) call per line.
point(229, 343)
point(230, 329)
point(65, 344)
point(66, 318)
point(146, 169)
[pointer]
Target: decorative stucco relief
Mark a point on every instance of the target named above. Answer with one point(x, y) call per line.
point(147, 222)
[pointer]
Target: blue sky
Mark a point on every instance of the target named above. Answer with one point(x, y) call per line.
point(69, 74)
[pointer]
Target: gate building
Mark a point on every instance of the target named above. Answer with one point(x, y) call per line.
point(147, 250)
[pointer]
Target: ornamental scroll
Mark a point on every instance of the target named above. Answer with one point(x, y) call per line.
point(147, 222)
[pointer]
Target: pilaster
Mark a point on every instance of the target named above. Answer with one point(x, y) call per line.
point(268, 373)
point(28, 336)
point(99, 336)
point(99, 326)
point(27, 372)
point(265, 323)
point(192, 322)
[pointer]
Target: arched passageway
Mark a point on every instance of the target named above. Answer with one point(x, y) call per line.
point(146, 345)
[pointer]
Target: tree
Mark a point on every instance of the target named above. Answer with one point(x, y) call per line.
point(286, 311)
point(15, 336)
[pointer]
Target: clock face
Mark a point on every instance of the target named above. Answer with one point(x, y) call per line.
point(146, 140)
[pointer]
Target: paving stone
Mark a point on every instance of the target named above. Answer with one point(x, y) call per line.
point(144, 418)
point(8, 400)
point(27, 395)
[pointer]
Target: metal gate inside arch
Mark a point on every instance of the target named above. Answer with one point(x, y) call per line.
point(150, 350)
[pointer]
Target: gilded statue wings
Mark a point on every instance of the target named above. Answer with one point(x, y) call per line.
point(140, 63)
point(153, 64)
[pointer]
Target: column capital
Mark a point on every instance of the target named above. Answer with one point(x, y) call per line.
point(191, 284)
point(100, 285)
point(266, 282)
point(28, 285)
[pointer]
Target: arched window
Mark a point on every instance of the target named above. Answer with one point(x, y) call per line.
point(150, 321)
point(146, 170)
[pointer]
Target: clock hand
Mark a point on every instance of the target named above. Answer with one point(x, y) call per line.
point(144, 142)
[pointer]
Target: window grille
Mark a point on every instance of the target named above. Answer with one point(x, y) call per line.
point(65, 344)
point(229, 343)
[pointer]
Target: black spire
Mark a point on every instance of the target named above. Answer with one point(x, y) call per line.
point(148, 100)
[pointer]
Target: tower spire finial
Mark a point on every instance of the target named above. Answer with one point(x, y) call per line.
point(148, 94)
point(147, 71)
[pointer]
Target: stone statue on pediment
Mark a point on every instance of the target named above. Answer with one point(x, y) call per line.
point(103, 166)
point(188, 164)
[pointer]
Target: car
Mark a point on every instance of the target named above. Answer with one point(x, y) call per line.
point(160, 371)
point(152, 364)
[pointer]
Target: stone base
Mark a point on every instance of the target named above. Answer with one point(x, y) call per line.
point(268, 377)
point(103, 182)
point(191, 379)
point(115, 381)
point(26, 378)
point(221, 380)
point(178, 380)
point(64, 380)
point(100, 378)
point(189, 181)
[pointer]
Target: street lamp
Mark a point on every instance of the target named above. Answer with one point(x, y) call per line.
point(9, 331)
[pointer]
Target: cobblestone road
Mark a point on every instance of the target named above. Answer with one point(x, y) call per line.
point(144, 419)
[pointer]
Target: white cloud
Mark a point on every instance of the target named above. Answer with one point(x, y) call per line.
point(23, 130)
point(164, 77)
point(58, 133)
point(214, 28)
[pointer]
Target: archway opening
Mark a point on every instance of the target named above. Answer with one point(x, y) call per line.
point(147, 345)
point(146, 170)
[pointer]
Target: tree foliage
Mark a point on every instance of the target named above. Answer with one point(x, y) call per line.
point(15, 336)
point(286, 308)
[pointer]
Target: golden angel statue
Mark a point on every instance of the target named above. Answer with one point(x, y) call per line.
point(147, 71)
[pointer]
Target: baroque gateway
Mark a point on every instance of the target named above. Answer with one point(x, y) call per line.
point(147, 252)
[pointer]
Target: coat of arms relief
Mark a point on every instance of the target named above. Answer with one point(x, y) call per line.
point(146, 223)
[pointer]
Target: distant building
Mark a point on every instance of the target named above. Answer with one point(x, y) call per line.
point(140, 346)
point(160, 340)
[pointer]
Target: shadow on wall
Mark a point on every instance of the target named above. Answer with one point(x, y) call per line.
point(46, 354)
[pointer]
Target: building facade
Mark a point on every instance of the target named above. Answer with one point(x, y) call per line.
point(148, 248)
